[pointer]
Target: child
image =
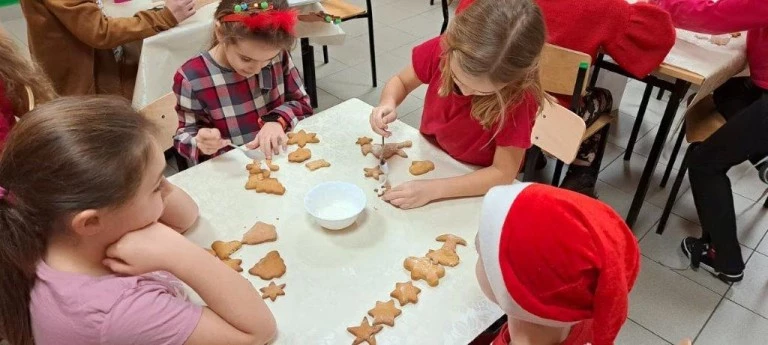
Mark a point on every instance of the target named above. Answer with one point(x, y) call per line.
point(637, 36)
point(744, 103)
point(559, 264)
point(245, 90)
point(86, 247)
point(482, 97)
point(80, 48)
point(16, 74)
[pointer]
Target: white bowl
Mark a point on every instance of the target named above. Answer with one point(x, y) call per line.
point(335, 205)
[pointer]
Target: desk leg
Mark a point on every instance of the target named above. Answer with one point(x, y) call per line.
point(678, 92)
point(444, 4)
point(308, 64)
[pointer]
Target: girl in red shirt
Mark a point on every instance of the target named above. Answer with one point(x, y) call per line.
point(482, 97)
point(17, 73)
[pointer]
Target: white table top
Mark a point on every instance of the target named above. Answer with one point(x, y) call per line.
point(334, 278)
point(164, 53)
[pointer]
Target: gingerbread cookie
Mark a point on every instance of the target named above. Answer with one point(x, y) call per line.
point(314, 165)
point(424, 269)
point(389, 150)
point(210, 251)
point(272, 167)
point(234, 264)
point(364, 141)
point(365, 332)
point(265, 185)
point(259, 233)
point(272, 290)
point(451, 241)
point(302, 138)
point(444, 256)
point(224, 249)
point(405, 293)
point(270, 267)
point(300, 155)
point(366, 149)
point(373, 172)
point(384, 313)
point(421, 167)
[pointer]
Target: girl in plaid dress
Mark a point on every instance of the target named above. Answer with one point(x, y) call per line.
point(245, 90)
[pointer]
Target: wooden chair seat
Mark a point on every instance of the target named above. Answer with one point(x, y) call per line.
point(702, 120)
point(342, 9)
point(601, 122)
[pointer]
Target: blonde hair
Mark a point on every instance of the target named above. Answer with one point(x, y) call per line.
point(501, 40)
point(17, 73)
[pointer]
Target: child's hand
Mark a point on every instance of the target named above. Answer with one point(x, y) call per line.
point(686, 342)
point(150, 249)
point(381, 117)
point(270, 140)
point(209, 141)
point(181, 9)
point(411, 194)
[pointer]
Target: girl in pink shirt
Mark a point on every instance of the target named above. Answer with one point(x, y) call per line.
point(744, 103)
point(90, 243)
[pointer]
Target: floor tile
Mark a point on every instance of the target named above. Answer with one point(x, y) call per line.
point(612, 152)
point(668, 304)
point(634, 334)
point(325, 100)
point(763, 247)
point(409, 104)
point(747, 184)
point(751, 292)
point(417, 26)
point(387, 66)
point(413, 118)
point(665, 250)
point(393, 12)
point(322, 69)
point(621, 202)
point(359, 27)
point(626, 177)
point(349, 83)
point(622, 128)
point(405, 51)
point(643, 147)
point(733, 324)
point(420, 92)
point(751, 217)
point(633, 95)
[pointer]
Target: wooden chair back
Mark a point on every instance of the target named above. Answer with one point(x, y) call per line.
point(702, 120)
point(559, 70)
point(558, 131)
point(342, 9)
point(163, 113)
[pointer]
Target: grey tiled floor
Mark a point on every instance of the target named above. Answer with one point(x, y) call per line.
point(669, 302)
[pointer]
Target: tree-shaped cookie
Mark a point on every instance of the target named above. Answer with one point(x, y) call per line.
point(269, 267)
point(272, 290)
point(302, 138)
point(424, 269)
point(234, 264)
point(259, 233)
point(365, 332)
point(384, 313)
point(405, 293)
point(224, 249)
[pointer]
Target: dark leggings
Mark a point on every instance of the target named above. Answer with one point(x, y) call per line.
point(743, 137)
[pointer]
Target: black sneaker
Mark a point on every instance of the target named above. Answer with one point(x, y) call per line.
point(702, 256)
point(580, 180)
point(762, 171)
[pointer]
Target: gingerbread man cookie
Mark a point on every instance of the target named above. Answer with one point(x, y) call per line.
point(266, 185)
point(300, 155)
point(384, 313)
point(424, 269)
point(444, 256)
point(421, 167)
point(373, 172)
point(389, 150)
point(405, 293)
point(224, 249)
point(451, 241)
point(259, 233)
point(272, 290)
point(365, 332)
point(302, 138)
point(269, 267)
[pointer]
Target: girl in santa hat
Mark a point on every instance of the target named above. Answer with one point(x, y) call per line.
point(558, 263)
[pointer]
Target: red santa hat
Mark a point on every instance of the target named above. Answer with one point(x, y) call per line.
point(555, 257)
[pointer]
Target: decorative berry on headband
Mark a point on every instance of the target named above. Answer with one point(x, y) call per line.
point(320, 17)
point(259, 16)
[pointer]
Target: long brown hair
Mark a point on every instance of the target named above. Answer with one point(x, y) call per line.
point(17, 73)
point(68, 155)
point(231, 32)
point(501, 40)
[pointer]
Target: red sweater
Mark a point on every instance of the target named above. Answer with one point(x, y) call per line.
point(7, 119)
point(637, 36)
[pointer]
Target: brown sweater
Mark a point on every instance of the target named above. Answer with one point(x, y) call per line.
point(72, 40)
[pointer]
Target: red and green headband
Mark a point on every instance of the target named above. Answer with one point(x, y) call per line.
point(258, 16)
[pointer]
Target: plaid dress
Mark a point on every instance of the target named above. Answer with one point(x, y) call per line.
point(212, 96)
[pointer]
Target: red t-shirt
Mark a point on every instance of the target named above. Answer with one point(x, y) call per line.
point(448, 121)
point(581, 334)
point(7, 119)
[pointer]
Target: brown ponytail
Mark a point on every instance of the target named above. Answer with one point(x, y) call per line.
point(17, 73)
point(68, 155)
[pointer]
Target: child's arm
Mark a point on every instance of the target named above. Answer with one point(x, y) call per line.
point(716, 17)
point(181, 211)
point(192, 140)
point(504, 170)
point(84, 19)
point(393, 94)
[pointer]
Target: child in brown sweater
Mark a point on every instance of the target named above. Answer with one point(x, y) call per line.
point(73, 42)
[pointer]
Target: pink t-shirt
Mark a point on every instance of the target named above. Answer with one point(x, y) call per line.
point(68, 308)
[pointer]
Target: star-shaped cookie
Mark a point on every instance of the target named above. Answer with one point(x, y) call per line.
point(302, 138)
point(365, 332)
point(405, 293)
point(423, 268)
point(384, 313)
point(272, 290)
point(364, 141)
